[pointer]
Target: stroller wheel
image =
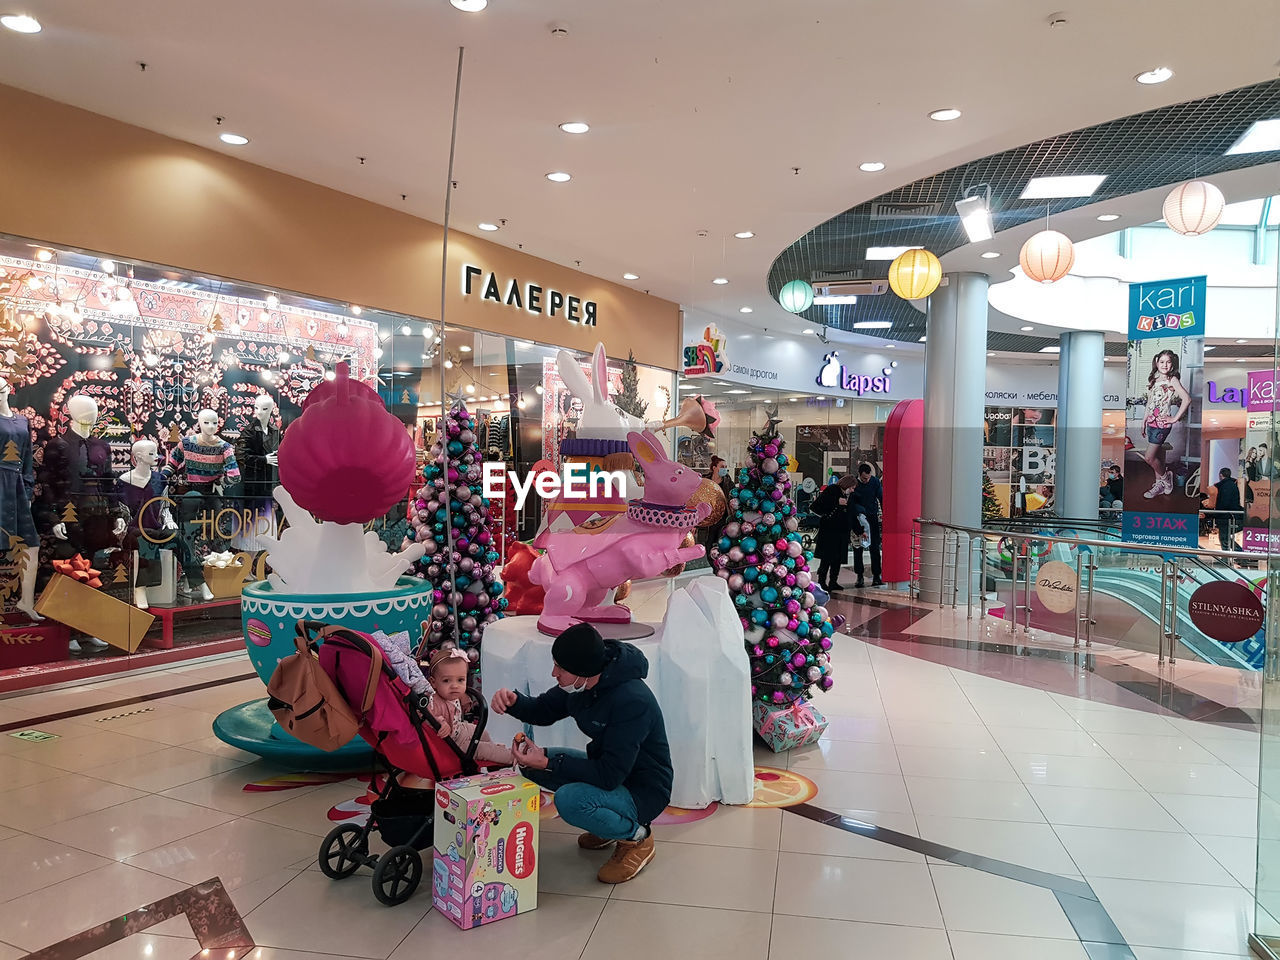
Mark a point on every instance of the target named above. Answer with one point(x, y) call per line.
point(397, 875)
point(342, 851)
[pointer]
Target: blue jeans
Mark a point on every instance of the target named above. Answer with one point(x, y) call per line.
point(609, 814)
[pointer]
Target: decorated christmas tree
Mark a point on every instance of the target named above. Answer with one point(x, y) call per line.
point(628, 398)
point(759, 553)
point(990, 503)
point(468, 595)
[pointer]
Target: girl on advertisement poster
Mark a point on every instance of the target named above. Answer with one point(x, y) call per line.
point(1167, 402)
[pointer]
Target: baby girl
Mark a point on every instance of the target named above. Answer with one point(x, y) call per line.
point(447, 674)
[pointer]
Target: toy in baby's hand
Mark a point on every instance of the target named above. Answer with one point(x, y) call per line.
point(397, 648)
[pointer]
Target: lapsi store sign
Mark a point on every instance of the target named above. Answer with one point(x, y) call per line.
point(531, 297)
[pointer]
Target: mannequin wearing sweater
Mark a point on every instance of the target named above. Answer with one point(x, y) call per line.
point(17, 482)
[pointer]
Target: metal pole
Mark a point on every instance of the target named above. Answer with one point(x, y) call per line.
point(1164, 605)
point(955, 575)
point(1013, 592)
point(1079, 584)
point(1090, 622)
point(1173, 612)
point(982, 576)
point(1027, 592)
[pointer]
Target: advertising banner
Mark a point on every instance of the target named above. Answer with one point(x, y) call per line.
point(1162, 479)
point(1258, 466)
point(1018, 459)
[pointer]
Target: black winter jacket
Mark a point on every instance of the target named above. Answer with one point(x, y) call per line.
point(628, 745)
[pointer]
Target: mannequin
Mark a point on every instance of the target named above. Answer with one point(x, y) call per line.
point(153, 528)
point(206, 462)
point(257, 450)
point(17, 482)
point(76, 501)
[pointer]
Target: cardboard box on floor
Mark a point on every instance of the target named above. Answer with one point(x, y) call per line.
point(486, 848)
point(91, 611)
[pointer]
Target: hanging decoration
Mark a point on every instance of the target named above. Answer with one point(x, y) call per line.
point(1047, 257)
point(796, 296)
point(915, 274)
point(1194, 208)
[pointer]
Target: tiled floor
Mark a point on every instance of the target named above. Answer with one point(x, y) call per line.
point(1156, 813)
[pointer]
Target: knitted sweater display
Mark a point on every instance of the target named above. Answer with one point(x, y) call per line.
point(203, 464)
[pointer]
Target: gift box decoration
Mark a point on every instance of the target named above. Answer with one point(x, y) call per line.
point(486, 848)
point(80, 570)
point(785, 728)
point(91, 611)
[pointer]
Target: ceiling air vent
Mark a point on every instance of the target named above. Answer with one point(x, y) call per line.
point(904, 210)
point(845, 288)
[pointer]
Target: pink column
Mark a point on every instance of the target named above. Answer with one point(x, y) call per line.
point(903, 460)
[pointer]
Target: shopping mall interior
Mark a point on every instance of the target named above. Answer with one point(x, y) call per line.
point(777, 480)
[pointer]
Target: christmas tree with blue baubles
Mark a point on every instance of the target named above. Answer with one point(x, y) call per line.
point(467, 593)
point(759, 553)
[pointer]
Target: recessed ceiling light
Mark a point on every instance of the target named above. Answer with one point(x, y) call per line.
point(20, 23)
point(830, 299)
point(889, 253)
point(1262, 136)
point(630, 276)
point(1242, 340)
point(575, 126)
point(1052, 188)
point(744, 309)
point(872, 324)
point(1026, 329)
point(794, 399)
point(1108, 217)
point(1158, 75)
point(406, 329)
point(950, 113)
point(233, 138)
point(355, 308)
point(720, 281)
point(1241, 359)
point(107, 266)
point(871, 166)
point(991, 255)
point(737, 391)
point(490, 227)
point(991, 353)
point(924, 339)
point(470, 6)
point(744, 234)
point(1051, 349)
point(559, 176)
point(44, 256)
point(464, 348)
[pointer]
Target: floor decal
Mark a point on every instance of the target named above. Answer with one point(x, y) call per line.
point(676, 815)
point(781, 788)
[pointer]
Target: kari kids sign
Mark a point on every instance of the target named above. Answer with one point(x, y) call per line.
point(486, 848)
point(1162, 413)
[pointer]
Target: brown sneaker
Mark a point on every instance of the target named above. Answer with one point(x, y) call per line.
point(628, 859)
point(589, 841)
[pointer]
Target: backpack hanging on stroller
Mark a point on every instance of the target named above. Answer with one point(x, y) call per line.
point(406, 737)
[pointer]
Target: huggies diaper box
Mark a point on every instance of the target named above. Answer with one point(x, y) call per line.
point(486, 848)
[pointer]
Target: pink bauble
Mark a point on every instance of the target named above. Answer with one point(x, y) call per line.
point(748, 589)
point(722, 574)
point(757, 652)
point(736, 582)
point(453, 428)
point(777, 494)
point(466, 436)
point(825, 643)
point(779, 620)
point(770, 449)
point(483, 536)
point(772, 641)
point(770, 465)
point(786, 679)
point(780, 544)
point(731, 530)
point(324, 456)
point(792, 623)
point(779, 697)
point(793, 607)
point(748, 528)
point(736, 554)
point(798, 660)
point(721, 561)
point(803, 579)
point(814, 674)
point(791, 580)
point(768, 550)
point(752, 558)
point(795, 549)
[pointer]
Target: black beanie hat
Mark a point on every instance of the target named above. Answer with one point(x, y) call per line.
point(579, 650)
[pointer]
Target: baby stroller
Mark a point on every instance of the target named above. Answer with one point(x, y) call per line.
point(406, 738)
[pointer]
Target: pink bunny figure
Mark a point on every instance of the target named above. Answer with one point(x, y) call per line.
point(579, 569)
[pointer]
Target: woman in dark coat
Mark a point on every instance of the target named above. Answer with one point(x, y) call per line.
point(832, 543)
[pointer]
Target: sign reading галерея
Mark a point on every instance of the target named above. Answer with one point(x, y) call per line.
point(532, 297)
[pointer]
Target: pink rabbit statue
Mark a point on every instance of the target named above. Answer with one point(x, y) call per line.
point(579, 569)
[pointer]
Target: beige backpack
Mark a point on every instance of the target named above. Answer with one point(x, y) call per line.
point(305, 700)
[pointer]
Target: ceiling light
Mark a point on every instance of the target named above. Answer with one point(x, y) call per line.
point(343, 329)
point(1026, 329)
point(1262, 136)
point(44, 256)
point(808, 331)
point(559, 176)
point(406, 329)
point(377, 353)
point(575, 126)
point(794, 399)
point(465, 348)
point(923, 339)
point(990, 254)
point(1051, 349)
point(872, 324)
point(107, 266)
point(1108, 217)
point(744, 309)
point(490, 227)
point(272, 301)
point(263, 316)
point(1158, 75)
point(20, 23)
point(448, 364)
point(720, 281)
point(630, 276)
point(975, 217)
point(737, 391)
point(1241, 359)
point(283, 356)
point(470, 6)
point(871, 166)
point(991, 353)
point(471, 388)
point(832, 298)
point(356, 310)
point(538, 389)
point(889, 253)
point(1052, 188)
point(744, 234)
point(950, 113)
point(235, 139)
point(1242, 340)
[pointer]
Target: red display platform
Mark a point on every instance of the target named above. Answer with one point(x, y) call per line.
point(88, 668)
point(28, 644)
point(166, 615)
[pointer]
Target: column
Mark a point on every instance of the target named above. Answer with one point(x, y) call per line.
point(1079, 432)
point(955, 378)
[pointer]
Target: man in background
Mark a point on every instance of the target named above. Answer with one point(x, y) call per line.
point(866, 500)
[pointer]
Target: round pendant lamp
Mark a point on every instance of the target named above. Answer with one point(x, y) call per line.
point(915, 274)
point(1194, 208)
point(796, 296)
point(1047, 257)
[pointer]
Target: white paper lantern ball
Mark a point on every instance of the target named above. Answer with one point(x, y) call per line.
point(1194, 208)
